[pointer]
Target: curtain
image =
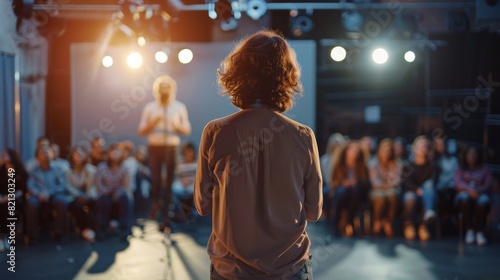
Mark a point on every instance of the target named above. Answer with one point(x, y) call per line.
point(7, 99)
point(32, 116)
point(33, 70)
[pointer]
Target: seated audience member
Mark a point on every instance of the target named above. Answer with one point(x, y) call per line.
point(132, 165)
point(473, 181)
point(350, 183)
point(46, 193)
point(97, 153)
point(112, 186)
point(32, 163)
point(418, 180)
point(326, 161)
point(447, 165)
point(81, 180)
point(17, 176)
point(58, 160)
point(183, 185)
point(385, 177)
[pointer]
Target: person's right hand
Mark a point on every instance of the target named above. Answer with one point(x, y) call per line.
point(473, 193)
point(157, 120)
point(419, 192)
point(81, 199)
point(349, 182)
point(43, 197)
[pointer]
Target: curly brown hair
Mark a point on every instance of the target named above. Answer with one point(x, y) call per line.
point(262, 68)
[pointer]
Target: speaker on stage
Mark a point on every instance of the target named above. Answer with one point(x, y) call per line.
point(487, 9)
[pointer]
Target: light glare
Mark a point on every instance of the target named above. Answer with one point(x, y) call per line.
point(141, 41)
point(380, 56)
point(134, 60)
point(161, 56)
point(185, 56)
point(338, 53)
point(410, 56)
point(107, 61)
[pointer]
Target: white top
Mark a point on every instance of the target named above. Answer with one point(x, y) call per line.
point(86, 177)
point(173, 116)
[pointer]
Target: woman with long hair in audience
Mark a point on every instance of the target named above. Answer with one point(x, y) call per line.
point(349, 185)
point(335, 141)
point(9, 159)
point(113, 186)
point(473, 181)
point(385, 177)
point(81, 186)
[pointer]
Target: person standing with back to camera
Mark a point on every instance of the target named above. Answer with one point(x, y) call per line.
point(258, 171)
point(163, 120)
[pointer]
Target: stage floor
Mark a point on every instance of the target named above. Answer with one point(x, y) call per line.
point(149, 254)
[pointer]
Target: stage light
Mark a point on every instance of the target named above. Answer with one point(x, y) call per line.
point(338, 53)
point(235, 6)
point(380, 56)
point(134, 60)
point(185, 56)
point(410, 56)
point(211, 11)
point(256, 9)
point(22, 9)
point(301, 25)
point(227, 11)
point(107, 61)
point(352, 21)
point(161, 56)
point(141, 41)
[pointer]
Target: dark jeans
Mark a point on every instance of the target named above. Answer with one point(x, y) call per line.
point(474, 211)
point(105, 204)
point(84, 213)
point(344, 199)
point(56, 204)
point(159, 155)
point(305, 273)
point(412, 200)
point(140, 201)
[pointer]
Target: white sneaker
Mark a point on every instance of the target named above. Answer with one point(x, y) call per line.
point(429, 215)
point(481, 240)
point(469, 237)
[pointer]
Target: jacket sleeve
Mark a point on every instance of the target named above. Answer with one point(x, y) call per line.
point(313, 202)
point(460, 184)
point(33, 183)
point(204, 183)
point(406, 178)
point(486, 182)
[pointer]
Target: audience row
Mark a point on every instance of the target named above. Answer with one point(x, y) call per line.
point(430, 184)
point(99, 188)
